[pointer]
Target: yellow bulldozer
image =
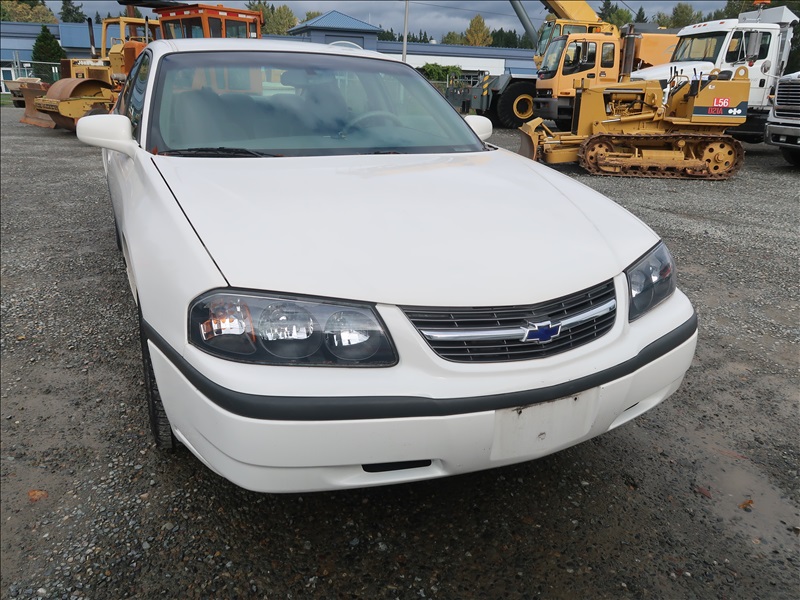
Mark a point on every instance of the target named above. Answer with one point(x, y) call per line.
point(638, 129)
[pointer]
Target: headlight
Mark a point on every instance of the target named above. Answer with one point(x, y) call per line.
point(651, 280)
point(283, 330)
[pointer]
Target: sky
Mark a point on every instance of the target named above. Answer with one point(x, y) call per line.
point(436, 17)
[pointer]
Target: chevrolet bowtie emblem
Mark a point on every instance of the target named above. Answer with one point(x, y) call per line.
point(541, 333)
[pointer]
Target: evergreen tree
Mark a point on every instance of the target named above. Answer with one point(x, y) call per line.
point(387, 36)
point(640, 16)
point(620, 16)
point(46, 49)
point(98, 20)
point(477, 34)
point(71, 13)
point(606, 10)
point(277, 21)
point(682, 15)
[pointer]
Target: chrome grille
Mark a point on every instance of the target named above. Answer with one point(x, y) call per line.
point(787, 98)
point(495, 334)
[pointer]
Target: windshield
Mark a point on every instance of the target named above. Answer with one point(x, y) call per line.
point(545, 33)
point(699, 47)
point(293, 104)
point(553, 55)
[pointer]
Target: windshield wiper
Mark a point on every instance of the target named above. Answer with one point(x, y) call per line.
point(220, 151)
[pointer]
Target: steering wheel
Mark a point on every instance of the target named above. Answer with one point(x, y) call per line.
point(373, 114)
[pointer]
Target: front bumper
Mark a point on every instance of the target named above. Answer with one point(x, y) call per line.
point(309, 443)
point(783, 135)
point(552, 109)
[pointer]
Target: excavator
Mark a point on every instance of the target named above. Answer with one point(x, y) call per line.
point(638, 129)
point(89, 86)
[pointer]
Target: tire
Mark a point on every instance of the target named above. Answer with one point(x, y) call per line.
point(515, 105)
point(490, 114)
point(159, 422)
point(18, 103)
point(748, 138)
point(791, 156)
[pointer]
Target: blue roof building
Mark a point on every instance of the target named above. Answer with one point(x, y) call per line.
point(334, 26)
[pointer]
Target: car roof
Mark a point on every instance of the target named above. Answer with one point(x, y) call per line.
point(160, 47)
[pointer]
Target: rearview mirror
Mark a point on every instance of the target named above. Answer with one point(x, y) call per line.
point(753, 45)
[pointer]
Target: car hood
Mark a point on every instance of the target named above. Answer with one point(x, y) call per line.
point(663, 72)
point(474, 229)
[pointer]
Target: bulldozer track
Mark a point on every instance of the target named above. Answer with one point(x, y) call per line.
point(707, 156)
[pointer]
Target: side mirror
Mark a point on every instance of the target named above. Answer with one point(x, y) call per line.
point(480, 125)
point(113, 132)
point(753, 46)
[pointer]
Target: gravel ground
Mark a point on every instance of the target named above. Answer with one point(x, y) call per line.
point(700, 498)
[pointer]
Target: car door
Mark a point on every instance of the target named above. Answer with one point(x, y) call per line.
point(124, 182)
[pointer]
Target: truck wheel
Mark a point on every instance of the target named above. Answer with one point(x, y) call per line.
point(159, 423)
point(490, 114)
point(791, 156)
point(515, 105)
point(18, 103)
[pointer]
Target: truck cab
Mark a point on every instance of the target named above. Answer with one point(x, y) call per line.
point(759, 40)
point(783, 122)
point(596, 59)
point(576, 56)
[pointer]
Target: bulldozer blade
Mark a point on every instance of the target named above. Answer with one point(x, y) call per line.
point(32, 116)
point(529, 144)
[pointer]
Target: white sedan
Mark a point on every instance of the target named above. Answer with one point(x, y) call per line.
point(341, 284)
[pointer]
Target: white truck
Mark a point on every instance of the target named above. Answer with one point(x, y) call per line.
point(783, 123)
point(759, 40)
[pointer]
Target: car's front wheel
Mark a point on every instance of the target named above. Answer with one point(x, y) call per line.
point(159, 422)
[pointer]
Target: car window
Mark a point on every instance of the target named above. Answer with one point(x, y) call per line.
point(131, 101)
point(297, 104)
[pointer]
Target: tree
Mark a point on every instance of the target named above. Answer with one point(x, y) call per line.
point(454, 38)
point(682, 15)
point(387, 36)
point(46, 49)
point(606, 10)
point(98, 20)
point(477, 34)
point(277, 21)
point(620, 16)
point(71, 13)
point(505, 39)
point(640, 16)
point(437, 72)
point(21, 11)
point(311, 14)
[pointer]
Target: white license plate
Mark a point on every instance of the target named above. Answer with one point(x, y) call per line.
point(544, 428)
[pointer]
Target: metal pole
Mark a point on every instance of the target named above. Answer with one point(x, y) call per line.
point(405, 32)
